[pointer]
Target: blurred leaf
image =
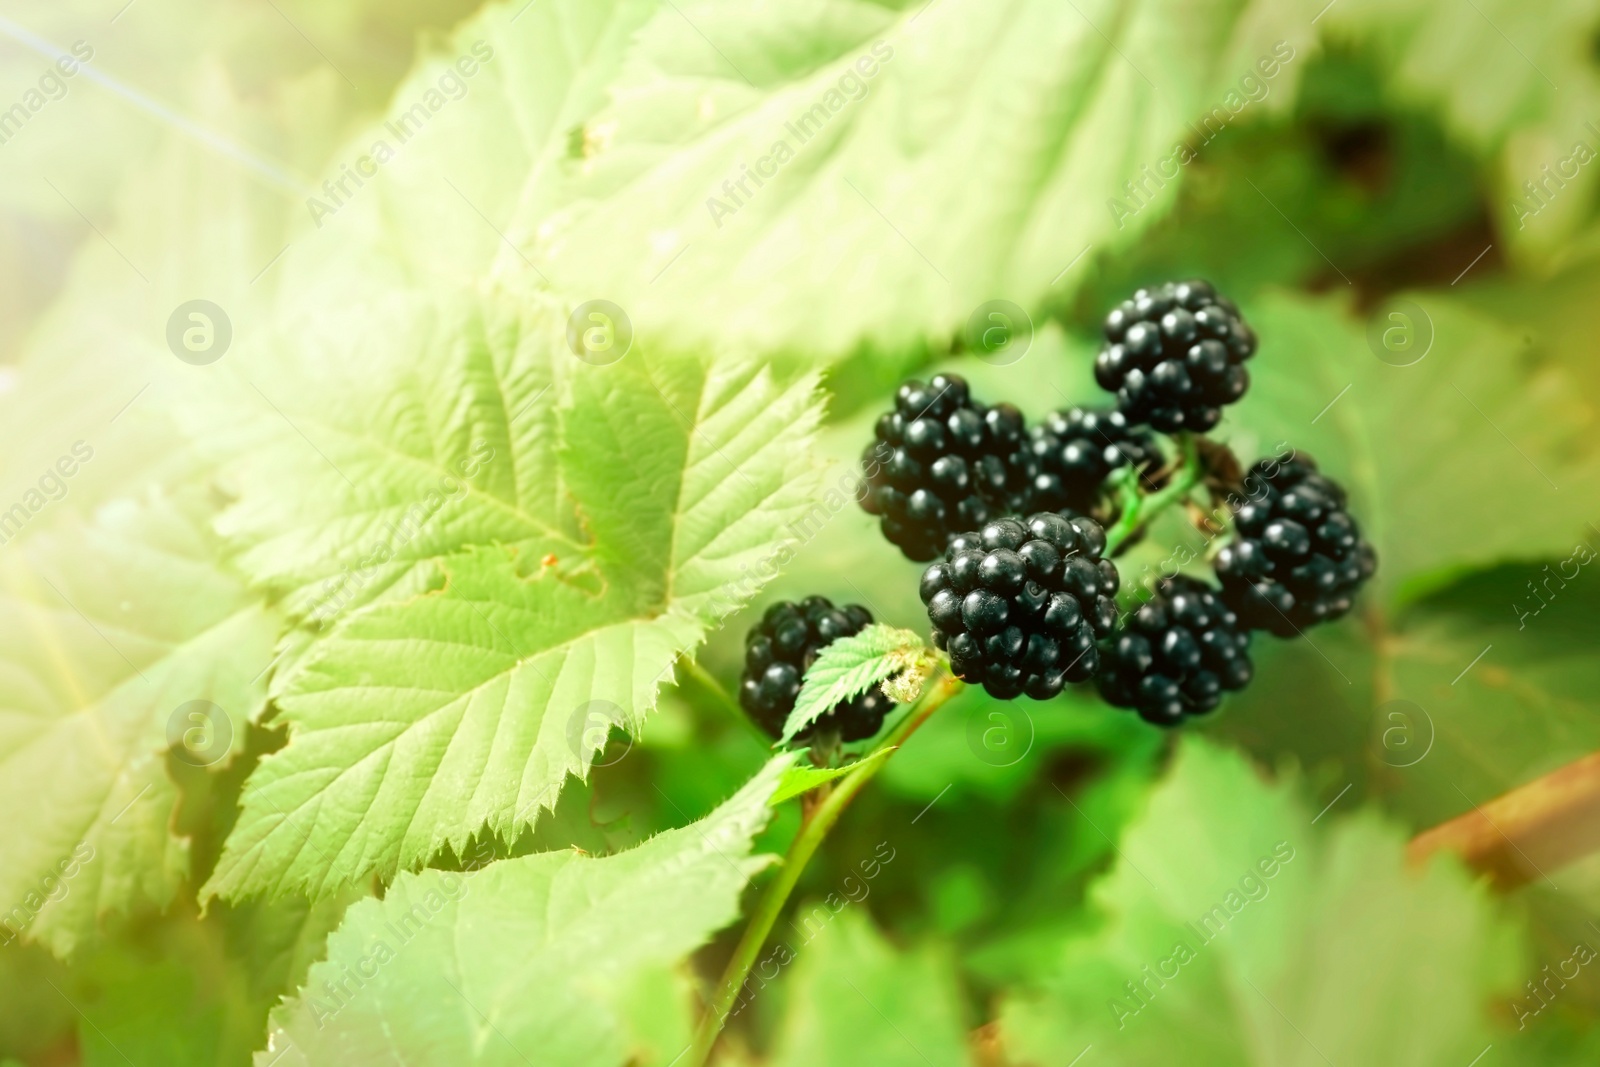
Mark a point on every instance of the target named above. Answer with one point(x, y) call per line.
point(850, 666)
point(944, 176)
point(1516, 82)
point(854, 998)
point(1456, 700)
point(1265, 939)
point(536, 956)
point(107, 632)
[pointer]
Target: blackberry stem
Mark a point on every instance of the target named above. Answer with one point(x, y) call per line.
point(805, 845)
point(1137, 509)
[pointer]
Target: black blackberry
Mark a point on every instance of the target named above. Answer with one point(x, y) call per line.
point(953, 464)
point(1299, 557)
point(1020, 605)
point(781, 648)
point(1074, 451)
point(1175, 356)
point(1177, 655)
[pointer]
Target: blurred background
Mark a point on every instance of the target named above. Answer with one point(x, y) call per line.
point(206, 251)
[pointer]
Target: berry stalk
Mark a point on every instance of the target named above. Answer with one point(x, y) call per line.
point(823, 819)
point(1137, 509)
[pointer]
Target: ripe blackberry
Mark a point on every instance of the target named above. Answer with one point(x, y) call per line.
point(1019, 606)
point(781, 648)
point(1177, 655)
point(1175, 356)
point(1074, 450)
point(1299, 557)
point(953, 465)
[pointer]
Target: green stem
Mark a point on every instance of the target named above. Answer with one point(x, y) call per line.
point(708, 682)
point(1137, 510)
point(800, 852)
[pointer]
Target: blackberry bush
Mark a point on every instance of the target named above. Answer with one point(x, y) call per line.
point(1020, 606)
point(1299, 558)
point(1175, 356)
point(781, 648)
point(954, 464)
point(1074, 451)
point(1177, 655)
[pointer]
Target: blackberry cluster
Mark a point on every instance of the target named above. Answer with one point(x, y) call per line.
point(781, 648)
point(953, 465)
point(1299, 558)
point(1075, 450)
point(1175, 356)
point(1178, 654)
point(1019, 606)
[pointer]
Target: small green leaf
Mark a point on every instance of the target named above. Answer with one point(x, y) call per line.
point(804, 778)
point(852, 665)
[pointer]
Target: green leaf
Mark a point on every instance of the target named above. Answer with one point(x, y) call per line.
point(853, 998)
point(107, 632)
point(528, 959)
point(1255, 931)
point(804, 778)
point(852, 665)
point(602, 519)
point(873, 126)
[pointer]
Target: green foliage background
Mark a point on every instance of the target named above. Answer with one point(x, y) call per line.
point(445, 580)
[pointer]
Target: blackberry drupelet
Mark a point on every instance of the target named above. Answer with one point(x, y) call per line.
point(953, 464)
point(1299, 557)
point(1175, 356)
point(1177, 655)
point(1074, 451)
point(1019, 606)
point(781, 648)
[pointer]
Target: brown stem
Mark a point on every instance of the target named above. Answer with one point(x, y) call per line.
point(1524, 835)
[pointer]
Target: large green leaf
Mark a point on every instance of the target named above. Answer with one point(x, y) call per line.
point(1263, 934)
point(537, 959)
point(603, 519)
point(916, 160)
point(107, 631)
